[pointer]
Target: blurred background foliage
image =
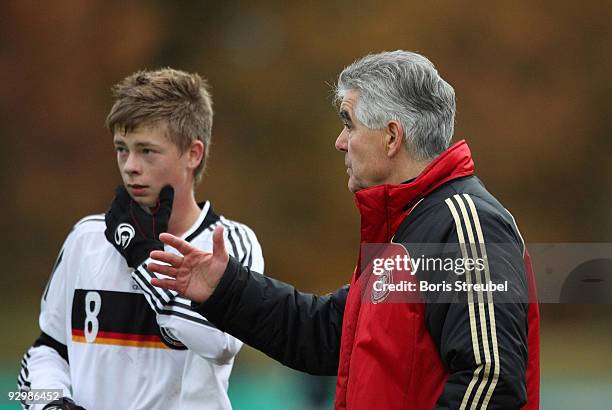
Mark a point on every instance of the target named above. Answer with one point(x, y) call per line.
point(533, 92)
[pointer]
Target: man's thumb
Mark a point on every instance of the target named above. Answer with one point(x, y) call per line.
point(218, 242)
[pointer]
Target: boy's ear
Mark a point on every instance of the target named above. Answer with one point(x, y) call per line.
point(196, 153)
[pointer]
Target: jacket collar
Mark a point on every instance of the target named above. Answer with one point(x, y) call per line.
point(383, 207)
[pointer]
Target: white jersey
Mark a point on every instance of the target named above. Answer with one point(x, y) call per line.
point(110, 340)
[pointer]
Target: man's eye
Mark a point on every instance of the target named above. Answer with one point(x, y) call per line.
point(147, 151)
point(120, 150)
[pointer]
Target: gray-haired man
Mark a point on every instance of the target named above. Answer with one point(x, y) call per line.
point(410, 188)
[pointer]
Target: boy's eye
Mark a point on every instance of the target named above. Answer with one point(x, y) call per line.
point(120, 149)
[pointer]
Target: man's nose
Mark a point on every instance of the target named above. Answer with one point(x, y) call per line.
point(341, 141)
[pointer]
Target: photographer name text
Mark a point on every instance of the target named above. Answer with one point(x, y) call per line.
point(424, 286)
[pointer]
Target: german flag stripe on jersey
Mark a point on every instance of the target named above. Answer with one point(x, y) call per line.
point(120, 339)
point(117, 318)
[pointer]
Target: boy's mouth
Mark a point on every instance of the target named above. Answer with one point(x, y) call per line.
point(138, 190)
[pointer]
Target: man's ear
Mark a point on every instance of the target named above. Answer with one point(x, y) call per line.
point(196, 153)
point(394, 138)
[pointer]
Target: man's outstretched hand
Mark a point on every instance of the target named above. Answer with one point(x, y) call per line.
point(196, 273)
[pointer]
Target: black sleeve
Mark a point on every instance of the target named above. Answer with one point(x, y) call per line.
point(300, 330)
point(482, 343)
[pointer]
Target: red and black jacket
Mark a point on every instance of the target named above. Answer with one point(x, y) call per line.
point(404, 355)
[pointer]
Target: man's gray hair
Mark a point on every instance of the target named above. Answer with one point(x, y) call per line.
point(406, 87)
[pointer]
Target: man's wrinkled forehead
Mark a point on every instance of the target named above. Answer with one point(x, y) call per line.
point(346, 110)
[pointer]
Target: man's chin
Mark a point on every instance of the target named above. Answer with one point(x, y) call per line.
point(356, 186)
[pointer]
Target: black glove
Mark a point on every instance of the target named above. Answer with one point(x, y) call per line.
point(133, 231)
point(63, 404)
